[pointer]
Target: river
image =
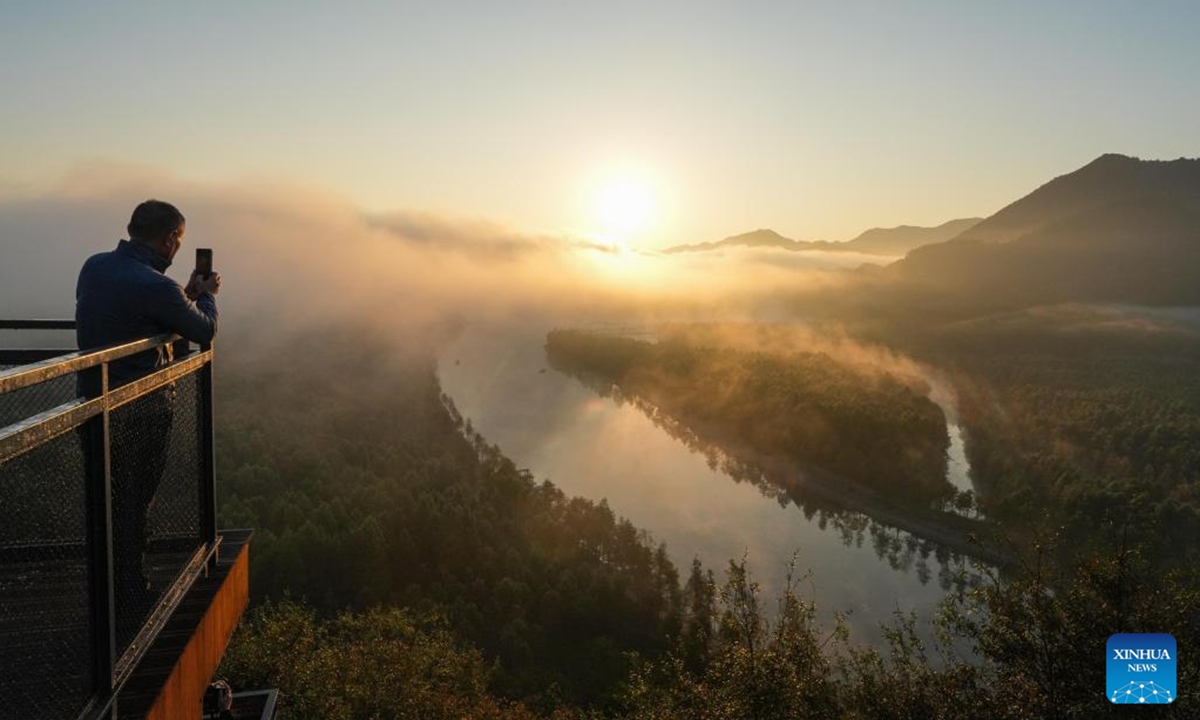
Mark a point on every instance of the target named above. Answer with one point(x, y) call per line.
point(604, 449)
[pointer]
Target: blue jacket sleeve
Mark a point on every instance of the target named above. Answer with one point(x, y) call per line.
point(171, 309)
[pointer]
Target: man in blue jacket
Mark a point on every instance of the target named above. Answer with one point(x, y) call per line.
point(123, 296)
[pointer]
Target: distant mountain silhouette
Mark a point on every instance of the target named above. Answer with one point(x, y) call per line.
point(1107, 179)
point(877, 241)
point(761, 238)
point(1119, 229)
point(899, 240)
point(757, 238)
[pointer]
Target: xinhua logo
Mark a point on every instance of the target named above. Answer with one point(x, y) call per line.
point(1141, 669)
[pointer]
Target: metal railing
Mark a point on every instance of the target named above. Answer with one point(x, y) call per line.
point(109, 516)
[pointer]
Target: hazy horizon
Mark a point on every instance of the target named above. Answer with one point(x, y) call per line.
point(643, 125)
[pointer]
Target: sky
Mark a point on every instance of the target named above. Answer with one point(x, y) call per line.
point(660, 122)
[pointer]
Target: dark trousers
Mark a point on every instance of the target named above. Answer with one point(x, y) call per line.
point(139, 448)
point(140, 433)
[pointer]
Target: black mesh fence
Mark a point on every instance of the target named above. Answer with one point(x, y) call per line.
point(156, 476)
point(46, 646)
point(47, 592)
point(23, 404)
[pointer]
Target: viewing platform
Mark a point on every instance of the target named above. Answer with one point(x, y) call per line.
point(90, 626)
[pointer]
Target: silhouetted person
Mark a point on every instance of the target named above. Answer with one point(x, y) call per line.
point(123, 296)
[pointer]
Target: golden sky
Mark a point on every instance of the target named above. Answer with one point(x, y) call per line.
point(662, 122)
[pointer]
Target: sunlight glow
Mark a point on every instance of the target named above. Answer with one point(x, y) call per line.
point(625, 206)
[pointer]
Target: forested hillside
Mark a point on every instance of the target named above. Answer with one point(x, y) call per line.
point(1077, 413)
point(1118, 230)
point(364, 491)
point(405, 569)
point(1068, 439)
point(806, 407)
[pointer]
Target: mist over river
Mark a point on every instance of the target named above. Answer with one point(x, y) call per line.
point(604, 449)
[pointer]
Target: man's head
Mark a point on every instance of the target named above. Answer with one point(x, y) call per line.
point(158, 225)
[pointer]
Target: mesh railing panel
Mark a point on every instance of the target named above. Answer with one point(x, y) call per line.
point(175, 517)
point(47, 592)
point(156, 476)
point(22, 404)
point(46, 647)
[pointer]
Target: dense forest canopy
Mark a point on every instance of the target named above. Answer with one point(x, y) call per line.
point(366, 489)
point(409, 570)
point(1076, 414)
point(393, 540)
point(872, 429)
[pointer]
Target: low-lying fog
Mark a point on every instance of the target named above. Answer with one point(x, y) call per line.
point(293, 259)
point(290, 256)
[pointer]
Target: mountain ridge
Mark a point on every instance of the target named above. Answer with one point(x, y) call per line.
point(1108, 178)
point(893, 241)
point(1119, 229)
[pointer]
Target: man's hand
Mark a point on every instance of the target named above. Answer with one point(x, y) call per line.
point(197, 285)
point(191, 289)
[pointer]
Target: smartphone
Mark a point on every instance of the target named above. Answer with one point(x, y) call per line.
point(204, 262)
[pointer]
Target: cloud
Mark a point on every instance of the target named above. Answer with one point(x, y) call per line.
point(293, 257)
point(285, 253)
point(478, 237)
point(801, 260)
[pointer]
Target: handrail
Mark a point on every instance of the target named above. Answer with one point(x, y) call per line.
point(37, 324)
point(43, 427)
point(112, 663)
point(26, 375)
point(37, 429)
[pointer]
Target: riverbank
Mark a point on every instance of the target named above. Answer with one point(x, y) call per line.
point(803, 484)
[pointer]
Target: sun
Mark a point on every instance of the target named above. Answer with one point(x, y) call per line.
point(625, 207)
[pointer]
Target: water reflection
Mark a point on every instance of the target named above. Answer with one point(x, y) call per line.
point(902, 550)
point(603, 445)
